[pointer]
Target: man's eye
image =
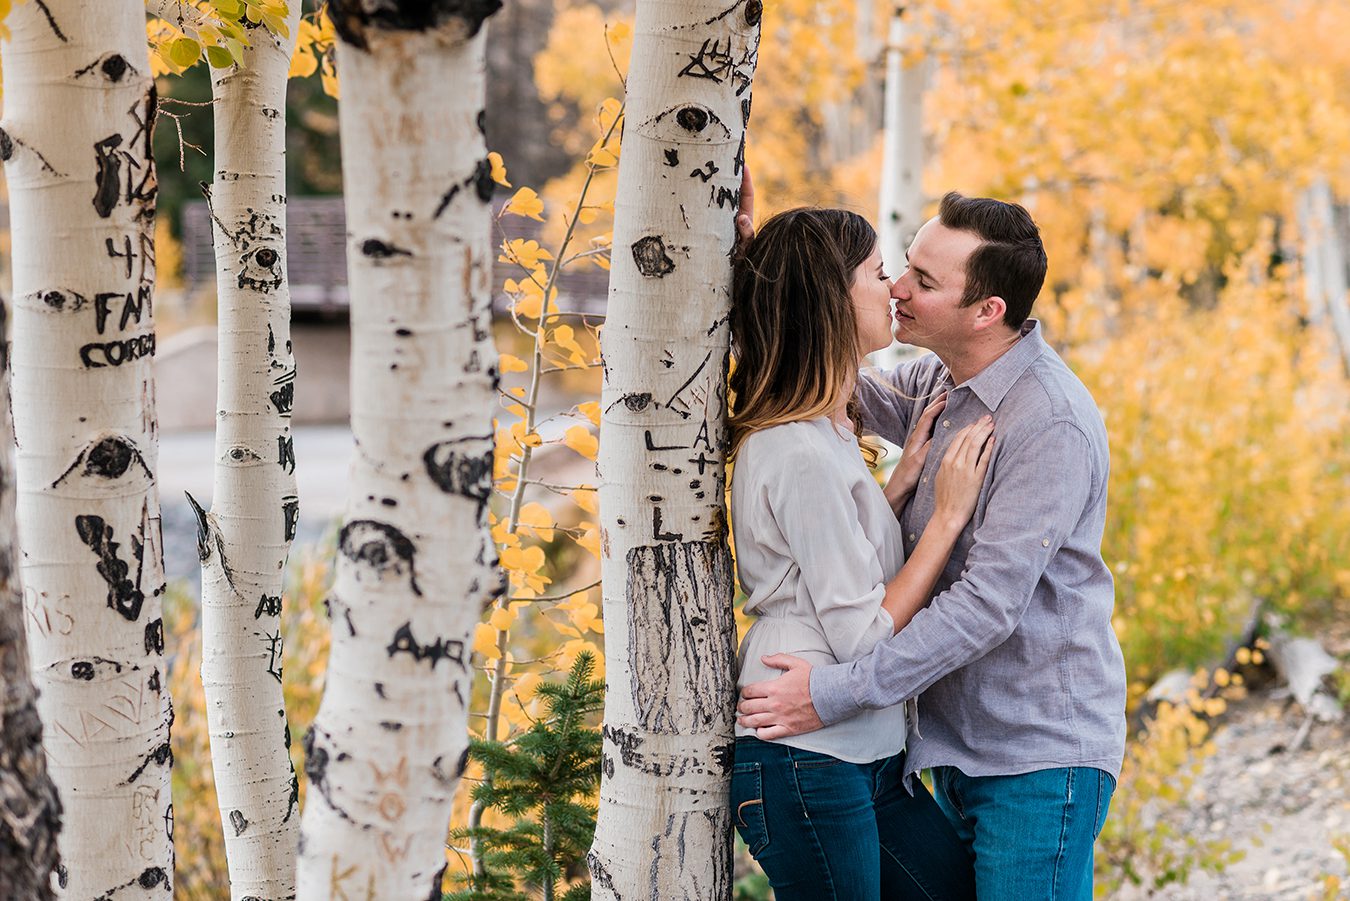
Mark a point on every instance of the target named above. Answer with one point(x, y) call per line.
point(925, 285)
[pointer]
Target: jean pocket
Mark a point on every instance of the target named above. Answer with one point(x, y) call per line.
point(747, 806)
point(813, 760)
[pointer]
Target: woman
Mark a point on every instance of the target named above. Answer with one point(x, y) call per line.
point(819, 553)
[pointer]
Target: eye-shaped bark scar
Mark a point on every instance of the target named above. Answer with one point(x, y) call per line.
point(260, 269)
point(689, 123)
point(381, 547)
point(462, 467)
point(111, 67)
point(107, 459)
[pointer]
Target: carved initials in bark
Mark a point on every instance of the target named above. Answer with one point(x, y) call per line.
point(693, 645)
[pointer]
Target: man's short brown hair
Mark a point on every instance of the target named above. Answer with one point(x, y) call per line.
point(1011, 262)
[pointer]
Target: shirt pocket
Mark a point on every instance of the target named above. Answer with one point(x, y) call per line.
point(747, 806)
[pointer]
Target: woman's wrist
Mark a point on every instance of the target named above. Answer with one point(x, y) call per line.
point(948, 523)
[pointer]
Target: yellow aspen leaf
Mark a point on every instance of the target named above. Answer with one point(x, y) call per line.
point(580, 439)
point(498, 169)
point(588, 213)
point(590, 538)
point(525, 687)
point(565, 338)
point(603, 158)
point(485, 641)
point(303, 62)
point(517, 391)
point(601, 261)
point(527, 254)
point(511, 363)
point(184, 52)
point(516, 410)
point(502, 618)
point(532, 440)
point(586, 500)
point(526, 203)
point(591, 410)
point(585, 616)
point(564, 628)
point(618, 32)
point(608, 114)
point(328, 77)
point(537, 517)
point(219, 58)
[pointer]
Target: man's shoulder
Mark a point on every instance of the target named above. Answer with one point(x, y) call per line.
point(1050, 392)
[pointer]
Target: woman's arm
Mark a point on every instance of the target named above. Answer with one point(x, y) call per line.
point(905, 478)
point(957, 489)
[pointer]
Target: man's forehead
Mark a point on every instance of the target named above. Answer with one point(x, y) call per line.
point(937, 247)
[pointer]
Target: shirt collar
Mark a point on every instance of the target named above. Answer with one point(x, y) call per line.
point(993, 383)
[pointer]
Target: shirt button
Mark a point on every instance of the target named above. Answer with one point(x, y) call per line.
point(924, 480)
point(1045, 542)
point(946, 423)
point(911, 536)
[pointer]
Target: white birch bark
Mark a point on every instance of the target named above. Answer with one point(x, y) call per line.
point(416, 564)
point(663, 829)
point(79, 108)
point(1324, 265)
point(245, 538)
point(30, 811)
point(902, 159)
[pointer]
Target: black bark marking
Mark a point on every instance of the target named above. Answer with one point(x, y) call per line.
point(436, 880)
point(238, 822)
point(692, 118)
point(203, 528)
point(114, 67)
point(684, 652)
point(290, 513)
point(286, 452)
point(268, 604)
point(56, 30)
point(382, 547)
point(705, 175)
point(6, 146)
point(108, 177)
point(650, 255)
point(154, 637)
point(669, 865)
point(636, 402)
point(153, 683)
point(672, 157)
point(133, 305)
point(98, 355)
point(390, 726)
point(159, 756)
point(82, 670)
point(657, 533)
point(446, 200)
point(153, 876)
point(109, 458)
point(441, 649)
point(353, 18)
point(462, 764)
point(274, 650)
point(652, 446)
point(463, 471)
point(684, 414)
point(260, 270)
point(483, 184)
point(380, 250)
point(712, 61)
point(754, 11)
point(123, 595)
point(725, 197)
point(284, 397)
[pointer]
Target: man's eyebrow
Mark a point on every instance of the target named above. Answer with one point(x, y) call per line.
point(923, 273)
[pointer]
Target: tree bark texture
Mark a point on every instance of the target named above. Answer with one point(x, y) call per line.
point(416, 564)
point(246, 536)
point(79, 108)
point(30, 811)
point(663, 828)
point(1324, 266)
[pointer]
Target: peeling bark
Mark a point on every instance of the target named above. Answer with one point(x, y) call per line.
point(663, 828)
point(245, 538)
point(79, 109)
point(415, 564)
point(30, 811)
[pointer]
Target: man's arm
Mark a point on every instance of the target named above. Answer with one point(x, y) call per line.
point(1040, 490)
point(1039, 494)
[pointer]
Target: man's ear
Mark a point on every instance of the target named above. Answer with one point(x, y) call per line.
point(989, 312)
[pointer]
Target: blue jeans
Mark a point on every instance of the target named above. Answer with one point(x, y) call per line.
point(1032, 834)
point(823, 829)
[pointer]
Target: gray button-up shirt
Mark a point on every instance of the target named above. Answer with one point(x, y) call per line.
point(1015, 656)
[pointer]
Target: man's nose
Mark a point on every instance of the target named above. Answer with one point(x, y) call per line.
point(898, 289)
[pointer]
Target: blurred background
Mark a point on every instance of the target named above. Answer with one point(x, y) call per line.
point(1189, 165)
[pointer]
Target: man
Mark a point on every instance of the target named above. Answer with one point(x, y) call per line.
point(1022, 715)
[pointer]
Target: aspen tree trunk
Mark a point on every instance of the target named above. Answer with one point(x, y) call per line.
point(79, 108)
point(415, 560)
point(1324, 266)
point(245, 538)
point(30, 812)
point(664, 826)
point(902, 160)
point(902, 152)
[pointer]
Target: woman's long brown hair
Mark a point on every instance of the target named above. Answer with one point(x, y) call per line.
point(794, 332)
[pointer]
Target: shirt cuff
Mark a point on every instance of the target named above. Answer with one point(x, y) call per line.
point(831, 695)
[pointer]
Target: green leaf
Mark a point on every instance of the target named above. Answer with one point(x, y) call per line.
point(219, 57)
point(229, 8)
point(184, 52)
